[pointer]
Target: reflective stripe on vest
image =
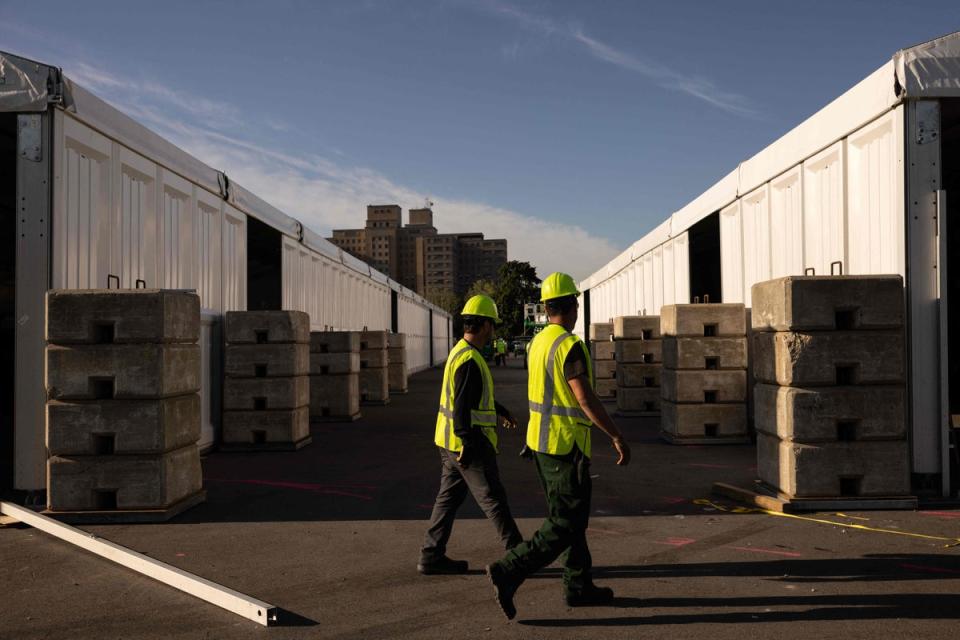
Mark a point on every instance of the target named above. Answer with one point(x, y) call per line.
point(483, 417)
point(557, 422)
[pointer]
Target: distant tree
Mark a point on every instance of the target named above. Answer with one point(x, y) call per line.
point(446, 300)
point(484, 287)
point(517, 283)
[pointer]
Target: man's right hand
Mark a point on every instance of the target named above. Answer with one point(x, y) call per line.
point(623, 449)
point(466, 456)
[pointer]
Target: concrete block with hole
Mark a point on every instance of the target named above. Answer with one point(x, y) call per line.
point(696, 421)
point(828, 303)
point(706, 387)
point(335, 397)
point(606, 388)
point(122, 316)
point(831, 414)
point(834, 469)
point(374, 340)
point(704, 353)
point(638, 351)
point(604, 369)
point(94, 483)
point(278, 429)
point(396, 341)
point(122, 371)
point(397, 355)
point(323, 364)
point(829, 358)
point(267, 360)
point(602, 350)
point(638, 400)
point(374, 386)
point(374, 358)
point(334, 341)
point(397, 377)
point(636, 328)
point(262, 327)
point(703, 320)
point(259, 394)
point(122, 427)
point(601, 331)
point(639, 375)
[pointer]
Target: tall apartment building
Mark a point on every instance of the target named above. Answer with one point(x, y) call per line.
point(417, 256)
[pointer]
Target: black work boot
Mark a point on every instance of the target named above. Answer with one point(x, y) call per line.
point(590, 596)
point(503, 588)
point(443, 566)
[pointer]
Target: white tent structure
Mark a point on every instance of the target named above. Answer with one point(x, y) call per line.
point(860, 188)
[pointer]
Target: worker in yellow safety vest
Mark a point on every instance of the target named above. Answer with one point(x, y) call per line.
point(466, 434)
point(563, 406)
point(500, 345)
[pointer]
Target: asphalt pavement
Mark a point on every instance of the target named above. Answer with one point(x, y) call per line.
point(331, 534)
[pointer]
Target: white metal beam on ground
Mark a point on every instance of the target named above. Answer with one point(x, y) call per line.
point(224, 597)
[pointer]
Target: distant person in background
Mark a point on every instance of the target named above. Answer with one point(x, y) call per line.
point(501, 350)
point(466, 434)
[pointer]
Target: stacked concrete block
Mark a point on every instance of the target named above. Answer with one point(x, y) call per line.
point(123, 410)
point(604, 366)
point(397, 363)
point(334, 376)
point(638, 350)
point(374, 367)
point(830, 398)
point(704, 383)
point(266, 391)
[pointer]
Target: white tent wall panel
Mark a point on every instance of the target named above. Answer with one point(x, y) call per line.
point(233, 266)
point(875, 176)
point(755, 219)
point(669, 275)
point(208, 248)
point(441, 338)
point(681, 269)
point(824, 214)
point(413, 320)
point(134, 229)
point(176, 251)
point(731, 254)
point(786, 224)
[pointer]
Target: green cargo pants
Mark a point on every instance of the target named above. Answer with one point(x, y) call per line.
point(566, 483)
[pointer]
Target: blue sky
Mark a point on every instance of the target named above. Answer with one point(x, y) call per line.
point(570, 128)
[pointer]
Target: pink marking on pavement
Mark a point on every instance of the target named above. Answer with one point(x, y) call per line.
point(923, 569)
point(941, 514)
point(673, 499)
point(773, 552)
point(675, 542)
point(610, 532)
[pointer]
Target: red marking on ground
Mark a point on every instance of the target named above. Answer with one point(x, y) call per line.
point(923, 569)
point(773, 552)
point(673, 499)
point(610, 532)
point(181, 555)
point(941, 514)
point(333, 490)
point(675, 542)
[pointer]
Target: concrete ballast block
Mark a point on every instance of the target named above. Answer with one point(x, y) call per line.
point(397, 355)
point(129, 371)
point(605, 387)
point(334, 341)
point(638, 375)
point(703, 320)
point(704, 420)
point(831, 414)
point(374, 340)
point(601, 350)
point(334, 396)
point(374, 385)
point(829, 358)
point(93, 483)
point(706, 387)
point(636, 328)
point(601, 331)
point(266, 427)
point(259, 394)
point(704, 353)
point(259, 327)
point(396, 340)
point(122, 426)
point(122, 316)
point(604, 369)
point(322, 364)
point(828, 303)
point(397, 377)
point(836, 469)
point(374, 358)
point(638, 399)
point(638, 351)
point(267, 360)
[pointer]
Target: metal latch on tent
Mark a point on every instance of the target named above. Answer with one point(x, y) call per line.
point(928, 121)
point(30, 136)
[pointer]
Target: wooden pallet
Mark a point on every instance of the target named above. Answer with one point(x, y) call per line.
point(767, 498)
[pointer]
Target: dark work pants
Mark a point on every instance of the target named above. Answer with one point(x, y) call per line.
point(566, 483)
point(482, 479)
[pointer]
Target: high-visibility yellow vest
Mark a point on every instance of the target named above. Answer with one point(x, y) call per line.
point(483, 418)
point(556, 420)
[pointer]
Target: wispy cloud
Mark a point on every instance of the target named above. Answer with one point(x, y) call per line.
point(695, 86)
point(324, 193)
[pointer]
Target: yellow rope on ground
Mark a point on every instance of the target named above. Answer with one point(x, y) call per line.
point(953, 542)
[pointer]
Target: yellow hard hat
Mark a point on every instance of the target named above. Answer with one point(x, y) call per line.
point(481, 305)
point(557, 285)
